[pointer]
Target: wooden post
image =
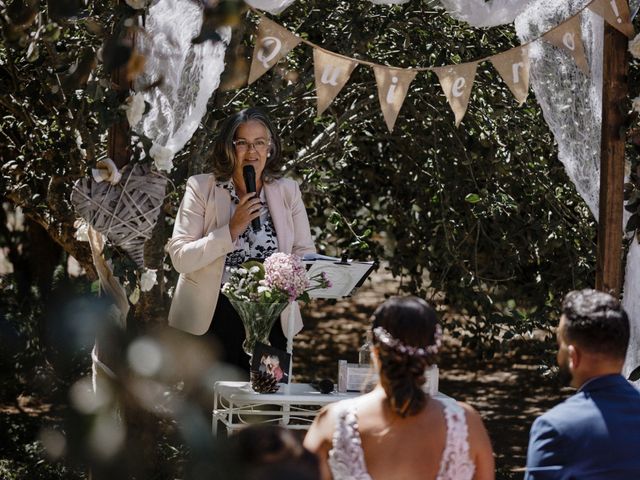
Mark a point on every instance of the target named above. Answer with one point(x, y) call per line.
point(119, 136)
point(614, 93)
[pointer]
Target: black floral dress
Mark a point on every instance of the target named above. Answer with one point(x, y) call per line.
point(251, 245)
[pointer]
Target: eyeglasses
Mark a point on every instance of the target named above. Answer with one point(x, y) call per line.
point(258, 145)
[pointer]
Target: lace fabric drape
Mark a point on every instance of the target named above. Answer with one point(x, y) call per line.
point(190, 73)
point(480, 13)
point(571, 102)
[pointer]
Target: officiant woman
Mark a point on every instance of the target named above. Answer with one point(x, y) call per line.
point(213, 231)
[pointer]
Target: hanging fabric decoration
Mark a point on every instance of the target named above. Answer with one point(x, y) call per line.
point(187, 73)
point(272, 44)
point(457, 82)
point(483, 13)
point(393, 85)
point(332, 72)
point(616, 13)
point(568, 36)
point(513, 67)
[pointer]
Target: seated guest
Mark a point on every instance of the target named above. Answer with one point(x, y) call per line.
point(595, 434)
point(397, 430)
point(269, 452)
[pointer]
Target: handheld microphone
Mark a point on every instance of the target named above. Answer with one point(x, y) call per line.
point(249, 174)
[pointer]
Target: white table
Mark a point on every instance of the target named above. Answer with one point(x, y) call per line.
point(300, 404)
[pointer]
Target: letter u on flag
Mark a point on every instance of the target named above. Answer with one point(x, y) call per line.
point(332, 73)
point(513, 67)
point(568, 36)
point(393, 85)
point(457, 82)
point(616, 13)
point(273, 42)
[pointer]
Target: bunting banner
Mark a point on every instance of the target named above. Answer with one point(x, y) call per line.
point(272, 44)
point(513, 67)
point(332, 70)
point(332, 73)
point(616, 13)
point(568, 36)
point(393, 85)
point(457, 82)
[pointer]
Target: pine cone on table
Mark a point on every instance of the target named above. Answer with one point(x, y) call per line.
point(262, 382)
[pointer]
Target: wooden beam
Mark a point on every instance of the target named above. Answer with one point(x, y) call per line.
point(614, 93)
point(119, 136)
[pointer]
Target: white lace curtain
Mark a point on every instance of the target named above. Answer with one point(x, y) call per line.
point(190, 73)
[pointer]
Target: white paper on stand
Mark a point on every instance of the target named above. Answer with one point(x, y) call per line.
point(344, 277)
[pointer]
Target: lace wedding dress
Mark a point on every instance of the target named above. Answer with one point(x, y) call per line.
point(346, 458)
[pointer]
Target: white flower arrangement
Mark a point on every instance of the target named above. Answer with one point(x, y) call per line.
point(82, 231)
point(148, 279)
point(634, 46)
point(162, 157)
point(135, 107)
point(635, 104)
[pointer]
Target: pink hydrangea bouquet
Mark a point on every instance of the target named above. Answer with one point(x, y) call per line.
point(259, 292)
point(282, 278)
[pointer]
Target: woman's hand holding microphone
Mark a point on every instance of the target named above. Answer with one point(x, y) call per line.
point(248, 209)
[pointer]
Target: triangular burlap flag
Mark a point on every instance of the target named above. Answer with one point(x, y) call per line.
point(273, 42)
point(513, 67)
point(568, 36)
point(393, 85)
point(332, 72)
point(616, 13)
point(457, 82)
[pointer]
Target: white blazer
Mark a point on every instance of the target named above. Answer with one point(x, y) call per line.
point(201, 241)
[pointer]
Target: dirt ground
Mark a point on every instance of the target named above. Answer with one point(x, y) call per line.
point(509, 392)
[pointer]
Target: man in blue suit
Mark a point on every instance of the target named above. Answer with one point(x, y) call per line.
point(595, 434)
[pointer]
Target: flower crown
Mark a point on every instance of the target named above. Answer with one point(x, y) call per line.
point(385, 338)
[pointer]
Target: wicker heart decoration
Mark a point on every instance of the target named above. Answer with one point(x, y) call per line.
point(126, 212)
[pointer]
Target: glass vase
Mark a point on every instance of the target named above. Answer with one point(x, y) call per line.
point(258, 319)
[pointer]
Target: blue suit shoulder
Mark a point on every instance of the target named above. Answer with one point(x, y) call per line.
point(593, 434)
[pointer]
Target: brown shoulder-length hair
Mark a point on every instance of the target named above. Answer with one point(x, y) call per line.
point(224, 153)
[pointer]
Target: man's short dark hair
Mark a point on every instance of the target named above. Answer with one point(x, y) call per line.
point(597, 322)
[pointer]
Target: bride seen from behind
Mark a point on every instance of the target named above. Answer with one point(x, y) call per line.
point(397, 430)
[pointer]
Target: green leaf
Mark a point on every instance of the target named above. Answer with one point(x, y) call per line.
point(472, 198)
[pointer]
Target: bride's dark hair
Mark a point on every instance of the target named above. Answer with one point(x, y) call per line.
point(409, 326)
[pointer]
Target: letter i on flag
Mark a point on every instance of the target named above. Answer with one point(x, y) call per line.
point(513, 67)
point(332, 73)
point(616, 13)
point(457, 82)
point(568, 36)
point(272, 44)
point(393, 84)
